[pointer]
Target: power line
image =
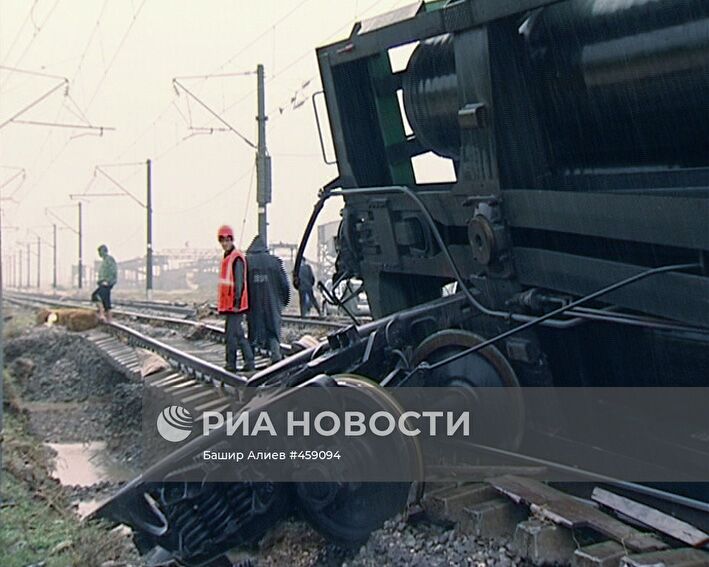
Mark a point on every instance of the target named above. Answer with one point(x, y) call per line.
point(217, 75)
point(115, 54)
point(211, 198)
point(88, 43)
point(49, 134)
point(230, 60)
point(163, 113)
point(37, 31)
point(34, 102)
point(213, 113)
point(32, 73)
point(62, 125)
point(263, 33)
point(247, 207)
point(21, 173)
point(290, 65)
point(19, 31)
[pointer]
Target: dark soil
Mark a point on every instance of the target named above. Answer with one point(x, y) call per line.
point(54, 365)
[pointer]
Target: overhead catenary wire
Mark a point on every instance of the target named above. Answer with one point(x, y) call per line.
point(247, 206)
point(153, 125)
point(35, 102)
point(49, 134)
point(19, 31)
point(115, 54)
point(38, 30)
point(20, 71)
point(209, 199)
point(252, 91)
point(62, 125)
point(21, 174)
point(90, 40)
point(229, 61)
point(156, 124)
point(176, 82)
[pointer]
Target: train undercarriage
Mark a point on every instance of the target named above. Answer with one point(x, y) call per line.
point(575, 234)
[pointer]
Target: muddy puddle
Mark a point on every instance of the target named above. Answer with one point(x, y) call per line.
point(86, 464)
point(89, 466)
point(84, 412)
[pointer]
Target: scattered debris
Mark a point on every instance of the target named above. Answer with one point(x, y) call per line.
point(652, 518)
point(550, 504)
point(73, 319)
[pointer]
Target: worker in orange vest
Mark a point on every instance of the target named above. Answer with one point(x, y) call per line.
point(233, 300)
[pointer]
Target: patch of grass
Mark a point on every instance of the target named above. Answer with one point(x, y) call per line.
point(36, 520)
point(20, 319)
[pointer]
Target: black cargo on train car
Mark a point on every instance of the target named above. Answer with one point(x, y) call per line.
point(576, 231)
point(579, 133)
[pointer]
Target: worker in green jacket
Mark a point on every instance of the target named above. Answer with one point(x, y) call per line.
point(107, 276)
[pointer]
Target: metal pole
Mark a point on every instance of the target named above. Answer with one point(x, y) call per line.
point(54, 258)
point(80, 250)
point(20, 271)
point(263, 161)
point(149, 252)
point(2, 358)
point(29, 260)
point(39, 251)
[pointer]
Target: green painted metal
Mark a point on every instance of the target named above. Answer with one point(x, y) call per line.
point(389, 117)
point(434, 5)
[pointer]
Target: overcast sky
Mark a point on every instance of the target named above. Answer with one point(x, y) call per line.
point(120, 57)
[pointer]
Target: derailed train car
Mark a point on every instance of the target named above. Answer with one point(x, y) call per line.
point(576, 230)
point(579, 136)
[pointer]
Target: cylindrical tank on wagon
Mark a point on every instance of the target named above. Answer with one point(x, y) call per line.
point(614, 83)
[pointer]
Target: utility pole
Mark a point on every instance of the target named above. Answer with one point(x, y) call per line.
point(19, 263)
point(149, 251)
point(148, 206)
point(54, 259)
point(81, 268)
point(2, 359)
point(29, 259)
point(39, 263)
point(263, 161)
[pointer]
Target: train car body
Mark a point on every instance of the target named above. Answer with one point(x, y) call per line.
point(576, 231)
point(579, 135)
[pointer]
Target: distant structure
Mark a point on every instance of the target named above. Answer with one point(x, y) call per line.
point(184, 268)
point(327, 252)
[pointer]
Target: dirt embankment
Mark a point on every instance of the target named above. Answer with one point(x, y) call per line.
point(60, 392)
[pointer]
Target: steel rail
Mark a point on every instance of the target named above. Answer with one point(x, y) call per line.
point(197, 367)
point(174, 309)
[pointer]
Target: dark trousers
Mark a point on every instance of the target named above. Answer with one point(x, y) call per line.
point(307, 300)
point(103, 294)
point(235, 338)
point(274, 347)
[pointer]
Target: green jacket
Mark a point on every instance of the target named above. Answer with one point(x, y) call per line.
point(108, 272)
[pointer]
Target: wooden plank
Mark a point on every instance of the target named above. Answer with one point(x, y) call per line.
point(655, 519)
point(551, 504)
point(685, 557)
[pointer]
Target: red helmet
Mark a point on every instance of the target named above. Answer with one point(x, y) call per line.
point(224, 231)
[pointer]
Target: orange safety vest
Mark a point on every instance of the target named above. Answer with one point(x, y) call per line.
point(227, 289)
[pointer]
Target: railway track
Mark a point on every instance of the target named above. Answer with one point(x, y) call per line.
point(498, 507)
point(195, 354)
point(167, 312)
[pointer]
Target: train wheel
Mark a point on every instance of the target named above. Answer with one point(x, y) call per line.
point(347, 512)
point(498, 416)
